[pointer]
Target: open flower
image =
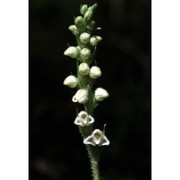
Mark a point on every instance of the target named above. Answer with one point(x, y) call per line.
point(81, 96)
point(97, 138)
point(83, 119)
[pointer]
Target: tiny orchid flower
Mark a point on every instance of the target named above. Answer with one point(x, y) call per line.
point(85, 54)
point(83, 119)
point(95, 72)
point(83, 69)
point(71, 52)
point(97, 138)
point(100, 94)
point(71, 81)
point(81, 96)
point(84, 37)
point(95, 40)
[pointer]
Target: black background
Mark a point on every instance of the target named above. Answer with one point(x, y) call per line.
point(56, 151)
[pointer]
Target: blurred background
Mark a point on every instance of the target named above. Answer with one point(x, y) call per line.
point(56, 151)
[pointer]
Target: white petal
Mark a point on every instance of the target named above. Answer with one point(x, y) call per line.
point(74, 99)
point(91, 119)
point(78, 122)
point(105, 141)
point(89, 140)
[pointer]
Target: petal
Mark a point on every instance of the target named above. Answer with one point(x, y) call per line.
point(74, 98)
point(78, 122)
point(91, 119)
point(89, 140)
point(104, 141)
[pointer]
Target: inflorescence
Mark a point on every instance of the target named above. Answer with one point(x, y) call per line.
point(87, 73)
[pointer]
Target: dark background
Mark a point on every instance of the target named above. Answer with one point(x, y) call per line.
point(56, 151)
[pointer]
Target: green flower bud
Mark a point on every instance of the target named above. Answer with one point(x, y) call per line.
point(73, 29)
point(79, 21)
point(83, 9)
point(83, 69)
point(71, 81)
point(71, 52)
point(95, 40)
point(84, 37)
point(95, 72)
point(85, 54)
point(88, 15)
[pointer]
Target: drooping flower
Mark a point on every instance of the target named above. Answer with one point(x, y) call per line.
point(83, 119)
point(97, 138)
point(81, 96)
point(100, 94)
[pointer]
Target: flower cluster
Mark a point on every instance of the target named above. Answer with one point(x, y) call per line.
point(87, 72)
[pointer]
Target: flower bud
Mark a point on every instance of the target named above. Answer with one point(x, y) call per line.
point(100, 94)
point(79, 21)
point(97, 138)
point(81, 96)
point(85, 54)
point(83, 9)
point(71, 52)
point(88, 15)
point(95, 72)
point(95, 40)
point(71, 81)
point(84, 37)
point(73, 29)
point(83, 69)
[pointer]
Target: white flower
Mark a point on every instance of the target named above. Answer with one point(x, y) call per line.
point(71, 52)
point(81, 96)
point(95, 72)
point(83, 69)
point(83, 119)
point(71, 81)
point(95, 40)
point(85, 54)
point(100, 94)
point(84, 37)
point(97, 138)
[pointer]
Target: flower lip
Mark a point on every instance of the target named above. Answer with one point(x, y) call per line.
point(97, 138)
point(83, 119)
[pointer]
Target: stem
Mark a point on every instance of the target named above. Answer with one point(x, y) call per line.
point(94, 163)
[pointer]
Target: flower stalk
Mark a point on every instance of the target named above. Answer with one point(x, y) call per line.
point(87, 72)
